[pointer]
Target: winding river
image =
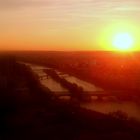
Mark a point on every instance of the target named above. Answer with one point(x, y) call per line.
point(131, 108)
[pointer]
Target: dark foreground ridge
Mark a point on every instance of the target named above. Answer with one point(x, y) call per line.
point(30, 112)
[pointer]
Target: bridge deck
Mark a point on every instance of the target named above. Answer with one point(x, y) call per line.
point(102, 93)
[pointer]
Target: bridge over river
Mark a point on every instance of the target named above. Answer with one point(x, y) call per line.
point(125, 101)
point(100, 95)
point(89, 92)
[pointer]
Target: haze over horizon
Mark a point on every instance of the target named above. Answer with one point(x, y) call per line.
point(65, 24)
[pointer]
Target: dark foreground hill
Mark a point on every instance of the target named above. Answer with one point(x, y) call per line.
point(29, 112)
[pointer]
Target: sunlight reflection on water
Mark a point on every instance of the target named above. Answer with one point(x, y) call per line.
point(132, 109)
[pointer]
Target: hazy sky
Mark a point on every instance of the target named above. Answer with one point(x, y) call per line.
point(61, 24)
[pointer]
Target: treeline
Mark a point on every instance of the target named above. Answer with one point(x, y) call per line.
point(75, 90)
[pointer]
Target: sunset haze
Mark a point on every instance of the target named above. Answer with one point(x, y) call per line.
point(66, 24)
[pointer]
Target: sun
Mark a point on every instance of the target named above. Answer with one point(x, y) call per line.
point(123, 41)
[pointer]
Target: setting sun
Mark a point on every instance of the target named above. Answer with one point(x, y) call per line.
point(123, 41)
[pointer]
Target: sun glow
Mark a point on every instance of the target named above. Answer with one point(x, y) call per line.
point(122, 36)
point(123, 41)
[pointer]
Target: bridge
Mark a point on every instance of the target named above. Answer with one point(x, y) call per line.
point(45, 76)
point(100, 95)
point(63, 75)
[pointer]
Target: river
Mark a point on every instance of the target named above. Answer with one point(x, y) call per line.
point(131, 108)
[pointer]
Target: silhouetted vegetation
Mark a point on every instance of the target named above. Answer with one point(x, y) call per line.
point(30, 111)
point(75, 90)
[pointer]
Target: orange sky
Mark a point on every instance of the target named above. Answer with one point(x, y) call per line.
point(61, 24)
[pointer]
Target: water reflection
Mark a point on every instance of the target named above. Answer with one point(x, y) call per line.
point(45, 80)
point(85, 85)
point(132, 109)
